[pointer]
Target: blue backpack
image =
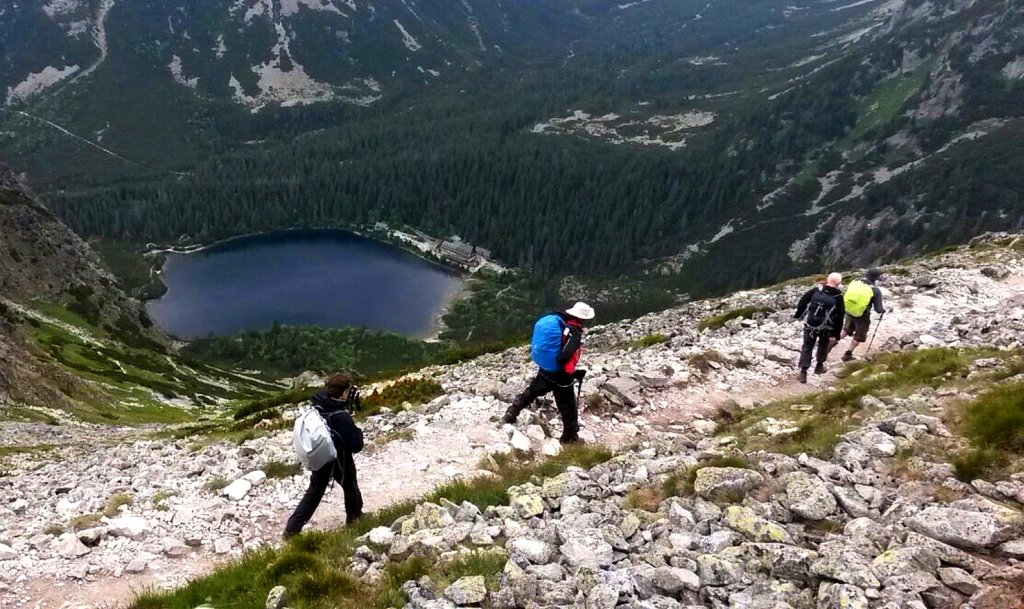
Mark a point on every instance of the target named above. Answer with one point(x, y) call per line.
point(547, 342)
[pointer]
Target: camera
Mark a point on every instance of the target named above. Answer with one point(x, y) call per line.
point(352, 403)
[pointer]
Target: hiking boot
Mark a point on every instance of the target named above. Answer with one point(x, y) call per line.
point(510, 417)
point(288, 535)
point(848, 356)
point(802, 377)
point(571, 441)
point(819, 369)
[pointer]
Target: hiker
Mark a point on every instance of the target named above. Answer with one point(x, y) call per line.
point(861, 297)
point(823, 307)
point(332, 403)
point(555, 348)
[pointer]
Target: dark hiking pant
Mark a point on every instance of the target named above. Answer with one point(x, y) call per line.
point(562, 386)
point(820, 338)
point(344, 472)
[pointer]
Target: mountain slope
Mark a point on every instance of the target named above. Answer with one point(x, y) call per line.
point(655, 386)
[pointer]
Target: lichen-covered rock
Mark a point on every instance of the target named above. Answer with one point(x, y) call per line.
point(715, 481)
point(750, 524)
point(782, 560)
point(718, 570)
point(427, 516)
point(277, 598)
point(532, 550)
point(962, 528)
point(808, 497)
point(468, 590)
point(841, 596)
point(587, 548)
point(842, 563)
point(672, 580)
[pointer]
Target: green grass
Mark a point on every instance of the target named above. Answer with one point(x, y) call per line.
point(641, 343)
point(313, 565)
point(996, 419)
point(994, 424)
point(112, 508)
point(882, 105)
point(835, 412)
point(85, 521)
point(718, 321)
point(281, 469)
point(415, 391)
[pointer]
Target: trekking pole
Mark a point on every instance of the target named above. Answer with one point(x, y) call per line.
point(875, 333)
point(579, 392)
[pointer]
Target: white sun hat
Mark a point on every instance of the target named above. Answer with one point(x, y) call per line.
point(581, 310)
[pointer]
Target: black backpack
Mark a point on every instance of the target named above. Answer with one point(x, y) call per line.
point(819, 311)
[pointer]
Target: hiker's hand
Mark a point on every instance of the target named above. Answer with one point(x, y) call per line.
point(842, 335)
point(579, 375)
point(832, 342)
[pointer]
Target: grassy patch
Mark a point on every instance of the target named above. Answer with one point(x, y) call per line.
point(112, 508)
point(413, 391)
point(313, 565)
point(644, 498)
point(281, 469)
point(718, 321)
point(85, 521)
point(703, 361)
point(833, 413)
point(994, 425)
point(395, 435)
point(54, 530)
point(216, 483)
point(161, 497)
point(641, 343)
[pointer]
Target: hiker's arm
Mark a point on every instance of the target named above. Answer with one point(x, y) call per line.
point(351, 436)
point(877, 301)
point(570, 347)
point(840, 313)
point(802, 305)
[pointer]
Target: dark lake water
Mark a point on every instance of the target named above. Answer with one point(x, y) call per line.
point(324, 278)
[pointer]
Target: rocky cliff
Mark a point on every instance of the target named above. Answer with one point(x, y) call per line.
point(733, 485)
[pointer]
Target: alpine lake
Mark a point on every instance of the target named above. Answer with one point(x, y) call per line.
point(327, 278)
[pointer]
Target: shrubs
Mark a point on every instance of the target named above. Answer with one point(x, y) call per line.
point(644, 498)
point(412, 390)
point(703, 361)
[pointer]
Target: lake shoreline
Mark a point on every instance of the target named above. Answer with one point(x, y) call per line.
point(161, 255)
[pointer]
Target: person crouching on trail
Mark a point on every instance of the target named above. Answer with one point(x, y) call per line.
point(332, 404)
point(823, 307)
point(860, 298)
point(555, 348)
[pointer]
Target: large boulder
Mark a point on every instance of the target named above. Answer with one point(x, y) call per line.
point(716, 481)
point(745, 521)
point(808, 497)
point(623, 391)
point(587, 548)
point(468, 590)
point(962, 528)
point(841, 596)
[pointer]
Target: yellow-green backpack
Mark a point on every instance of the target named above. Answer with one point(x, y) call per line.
point(857, 298)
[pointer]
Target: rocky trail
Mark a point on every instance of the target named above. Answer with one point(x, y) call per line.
point(93, 514)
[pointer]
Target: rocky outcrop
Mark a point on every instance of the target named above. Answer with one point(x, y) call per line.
point(43, 260)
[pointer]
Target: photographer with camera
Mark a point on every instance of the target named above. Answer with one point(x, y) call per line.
point(556, 347)
point(336, 403)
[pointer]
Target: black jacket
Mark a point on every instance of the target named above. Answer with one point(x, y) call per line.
point(348, 438)
point(571, 343)
point(836, 323)
point(876, 300)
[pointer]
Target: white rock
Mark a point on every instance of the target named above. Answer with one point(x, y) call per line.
point(7, 552)
point(132, 527)
point(255, 478)
point(69, 546)
point(223, 545)
point(519, 441)
point(237, 490)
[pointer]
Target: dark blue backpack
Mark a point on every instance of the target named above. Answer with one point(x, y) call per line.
point(547, 342)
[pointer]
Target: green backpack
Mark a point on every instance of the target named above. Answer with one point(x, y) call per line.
point(857, 298)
